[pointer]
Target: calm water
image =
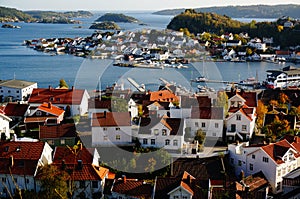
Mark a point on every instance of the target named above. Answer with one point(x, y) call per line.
point(24, 63)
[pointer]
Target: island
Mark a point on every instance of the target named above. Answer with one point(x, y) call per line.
point(107, 25)
point(9, 26)
point(114, 17)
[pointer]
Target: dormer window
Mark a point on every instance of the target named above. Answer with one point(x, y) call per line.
point(38, 113)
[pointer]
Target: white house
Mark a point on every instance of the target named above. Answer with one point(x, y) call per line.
point(84, 170)
point(258, 45)
point(16, 90)
point(274, 160)
point(111, 128)
point(133, 108)
point(4, 125)
point(167, 133)
point(19, 163)
point(240, 121)
point(208, 119)
point(73, 101)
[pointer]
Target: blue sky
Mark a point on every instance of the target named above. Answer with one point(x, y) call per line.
point(129, 4)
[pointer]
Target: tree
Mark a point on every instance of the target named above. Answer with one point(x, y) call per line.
point(277, 128)
point(63, 84)
point(53, 183)
point(283, 98)
point(151, 165)
point(222, 101)
point(261, 111)
point(200, 136)
point(273, 103)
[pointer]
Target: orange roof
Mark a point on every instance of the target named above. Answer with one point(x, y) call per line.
point(57, 131)
point(163, 96)
point(110, 119)
point(49, 108)
point(38, 119)
point(56, 96)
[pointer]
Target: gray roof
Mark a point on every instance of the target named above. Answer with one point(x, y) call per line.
point(16, 83)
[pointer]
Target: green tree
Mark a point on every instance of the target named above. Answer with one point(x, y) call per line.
point(277, 128)
point(63, 84)
point(222, 101)
point(53, 183)
point(200, 136)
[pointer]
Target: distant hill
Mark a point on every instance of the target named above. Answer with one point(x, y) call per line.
point(70, 14)
point(114, 17)
point(253, 11)
point(14, 15)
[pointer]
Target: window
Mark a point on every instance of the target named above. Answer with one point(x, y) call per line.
point(164, 132)
point(175, 142)
point(17, 91)
point(145, 141)
point(167, 142)
point(105, 137)
point(38, 113)
point(216, 125)
point(27, 181)
point(63, 141)
point(278, 187)
point(16, 180)
point(156, 132)
point(50, 142)
point(265, 159)
point(104, 129)
point(253, 156)
point(240, 163)
point(244, 127)
point(238, 117)
point(203, 124)
point(196, 124)
point(81, 184)
point(251, 167)
point(118, 137)
point(3, 179)
point(8, 91)
point(95, 184)
point(279, 172)
point(176, 197)
point(152, 141)
point(184, 197)
point(283, 171)
point(214, 134)
point(117, 129)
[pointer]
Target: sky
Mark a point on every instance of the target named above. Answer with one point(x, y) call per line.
point(129, 4)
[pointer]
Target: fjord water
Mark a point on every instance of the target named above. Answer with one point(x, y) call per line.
point(18, 61)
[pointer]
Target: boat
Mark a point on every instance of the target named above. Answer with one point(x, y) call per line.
point(251, 81)
point(201, 79)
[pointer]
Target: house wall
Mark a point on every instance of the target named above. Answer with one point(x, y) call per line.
point(4, 126)
point(17, 94)
point(212, 127)
point(99, 135)
point(88, 189)
point(23, 182)
point(180, 193)
point(180, 113)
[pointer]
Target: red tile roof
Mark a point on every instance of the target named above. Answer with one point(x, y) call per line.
point(175, 125)
point(56, 96)
point(15, 109)
point(70, 159)
point(277, 150)
point(97, 104)
point(25, 157)
point(58, 131)
point(111, 119)
point(67, 154)
point(250, 97)
point(133, 187)
point(38, 119)
point(49, 108)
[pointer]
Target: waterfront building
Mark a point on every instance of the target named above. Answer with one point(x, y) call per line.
point(287, 77)
point(16, 90)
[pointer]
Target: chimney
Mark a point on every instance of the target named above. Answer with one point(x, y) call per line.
point(50, 88)
point(104, 114)
point(79, 164)
point(63, 165)
point(188, 180)
point(73, 88)
point(11, 161)
point(49, 105)
point(124, 178)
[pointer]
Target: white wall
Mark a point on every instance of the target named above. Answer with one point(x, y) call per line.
point(99, 133)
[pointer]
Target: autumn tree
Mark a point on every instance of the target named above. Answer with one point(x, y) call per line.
point(277, 128)
point(273, 103)
point(53, 183)
point(261, 111)
point(63, 84)
point(283, 98)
